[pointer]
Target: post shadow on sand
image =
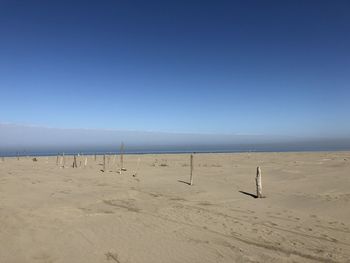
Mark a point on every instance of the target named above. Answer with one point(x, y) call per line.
point(184, 182)
point(246, 193)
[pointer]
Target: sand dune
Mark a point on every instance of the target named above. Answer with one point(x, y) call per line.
point(53, 214)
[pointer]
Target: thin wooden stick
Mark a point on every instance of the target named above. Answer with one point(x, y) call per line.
point(64, 160)
point(191, 176)
point(95, 157)
point(57, 160)
point(85, 163)
point(258, 183)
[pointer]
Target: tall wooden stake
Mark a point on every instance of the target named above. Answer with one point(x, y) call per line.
point(258, 183)
point(104, 162)
point(75, 162)
point(191, 164)
point(121, 157)
point(64, 160)
point(95, 157)
point(85, 163)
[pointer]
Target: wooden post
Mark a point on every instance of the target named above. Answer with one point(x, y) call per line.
point(258, 183)
point(85, 163)
point(17, 156)
point(121, 157)
point(75, 162)
point(95, 157)
point(104, 162)
point(64, 159)
point(191, 164)
point(57, 160)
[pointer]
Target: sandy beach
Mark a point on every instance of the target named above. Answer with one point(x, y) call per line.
point(54, 214)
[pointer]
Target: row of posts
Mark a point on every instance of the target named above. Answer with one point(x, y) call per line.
point(61, 161)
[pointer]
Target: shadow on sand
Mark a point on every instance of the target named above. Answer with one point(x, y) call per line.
point(246, 193)
point(184, 182)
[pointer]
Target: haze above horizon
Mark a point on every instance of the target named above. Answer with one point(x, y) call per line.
point(221, 67)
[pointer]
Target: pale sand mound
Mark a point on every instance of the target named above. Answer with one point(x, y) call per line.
point(50, 214)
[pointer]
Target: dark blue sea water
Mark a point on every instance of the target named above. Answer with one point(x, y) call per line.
point(180, 149)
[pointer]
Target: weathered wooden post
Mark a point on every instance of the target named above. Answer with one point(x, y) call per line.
point(85, 163)
point(122, 158)
point(258, 183)
point(75, 161)
point(64, 160)
point(191, 164)
point(57, 160)
point(95, 157)
point(104, 162)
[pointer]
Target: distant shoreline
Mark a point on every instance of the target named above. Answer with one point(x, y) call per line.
point(70, 153)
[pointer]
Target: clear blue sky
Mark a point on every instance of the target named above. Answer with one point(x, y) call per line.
point(248, 67)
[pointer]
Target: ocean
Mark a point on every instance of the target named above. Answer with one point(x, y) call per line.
point(164, 149)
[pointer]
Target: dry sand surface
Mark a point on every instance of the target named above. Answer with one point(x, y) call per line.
point(53, 214)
